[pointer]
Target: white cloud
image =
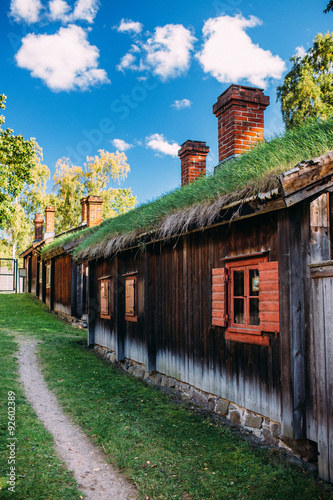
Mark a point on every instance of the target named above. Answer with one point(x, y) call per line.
point(129, 26)
point(25, 10)
point(229, 54)
point(129, 61)
point(300, 51)
point(64, 61)
point(58, 10)
point(31, 11)
point(184, 103)
point(157, 142)
point(121, 145)
point(167, 53)
point(169, 50)
point(85, 10)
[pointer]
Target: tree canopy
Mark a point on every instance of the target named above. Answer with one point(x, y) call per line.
point(17, 157)
point(307, 91)
point(72, 182)
point(23, 188)
point(329, 7)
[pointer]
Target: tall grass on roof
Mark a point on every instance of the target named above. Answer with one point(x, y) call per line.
point(197, 204)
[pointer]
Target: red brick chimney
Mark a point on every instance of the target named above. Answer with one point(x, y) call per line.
point(193, 160)
point(49, 222)
point(94, 210)
point(39, 222)
point(240, 114)
point(84, 210)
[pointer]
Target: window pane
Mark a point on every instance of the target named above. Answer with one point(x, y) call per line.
point(254, 311)
point(239, 311)
point(254, 282)
point(239, 283)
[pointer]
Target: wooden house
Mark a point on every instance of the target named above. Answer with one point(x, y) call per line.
point(58, 280)
point(230, 306)
point(229, 298)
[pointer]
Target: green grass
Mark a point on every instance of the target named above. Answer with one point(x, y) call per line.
point(253, 171)
point(169, 451)
point(40, 474)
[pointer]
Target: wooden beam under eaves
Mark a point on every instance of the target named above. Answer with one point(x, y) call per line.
point(307, 179)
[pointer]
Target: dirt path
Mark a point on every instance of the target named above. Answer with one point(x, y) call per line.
point(96, 478)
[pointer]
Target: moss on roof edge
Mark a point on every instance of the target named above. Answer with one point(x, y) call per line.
point(198, 203)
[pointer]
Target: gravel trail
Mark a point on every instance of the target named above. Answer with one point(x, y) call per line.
point(96, 478)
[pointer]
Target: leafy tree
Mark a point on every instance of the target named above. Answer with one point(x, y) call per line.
point(32, 199)
point(307, 91)
point(329, 6)
point(23, 184)
point(68, 182)
point(72, 183)
point(17, 157)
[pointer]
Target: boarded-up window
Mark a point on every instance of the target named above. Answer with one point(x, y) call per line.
point(48, 276)
point(131, 298)
point(246, 299)
point(105, 298)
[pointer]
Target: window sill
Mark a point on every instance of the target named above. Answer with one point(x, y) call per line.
point(133, 319)
point(104, 316)
point(245, 338)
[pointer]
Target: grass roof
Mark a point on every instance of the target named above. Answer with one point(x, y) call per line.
point(197, 204)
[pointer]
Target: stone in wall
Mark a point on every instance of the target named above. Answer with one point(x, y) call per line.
point(251, 419)
point(234, 414)
point(222, 407)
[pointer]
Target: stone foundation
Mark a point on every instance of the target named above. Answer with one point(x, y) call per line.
point(262, 427)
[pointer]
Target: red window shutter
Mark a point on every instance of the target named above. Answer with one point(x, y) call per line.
point(130, 297)
point(219, 297)
point(105, 298)
point(269, 297)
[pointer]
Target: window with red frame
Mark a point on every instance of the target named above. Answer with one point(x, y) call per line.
point(245, 297)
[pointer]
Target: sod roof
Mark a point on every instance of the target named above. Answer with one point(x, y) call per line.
point(199, 204)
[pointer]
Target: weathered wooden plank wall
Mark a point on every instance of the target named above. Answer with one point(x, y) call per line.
point(62, 283)
point(174, 317)
point(33, 275)
point(322, 291)
point(132, 333)
point(188, 348)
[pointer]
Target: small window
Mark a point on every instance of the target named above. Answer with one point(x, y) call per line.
point(105, 298)
point(131, 298)
point(246, 299)
point(48, 276)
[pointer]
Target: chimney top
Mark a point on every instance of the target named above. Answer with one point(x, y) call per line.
point(39, 222)
point(194, 146)
point(94, 210)
point(240, 114)
point(49, 222)
point(240, 94)
point(193, 160)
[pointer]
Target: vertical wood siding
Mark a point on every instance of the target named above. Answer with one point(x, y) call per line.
point(174, 331)
point(62, 284)
point(188, 348)
point(33, 274)
point(322, 288)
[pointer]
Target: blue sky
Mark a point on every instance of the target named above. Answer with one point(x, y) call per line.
point(142, 76)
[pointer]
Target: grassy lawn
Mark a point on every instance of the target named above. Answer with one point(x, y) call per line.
point(167, 450)
point(40, 474)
